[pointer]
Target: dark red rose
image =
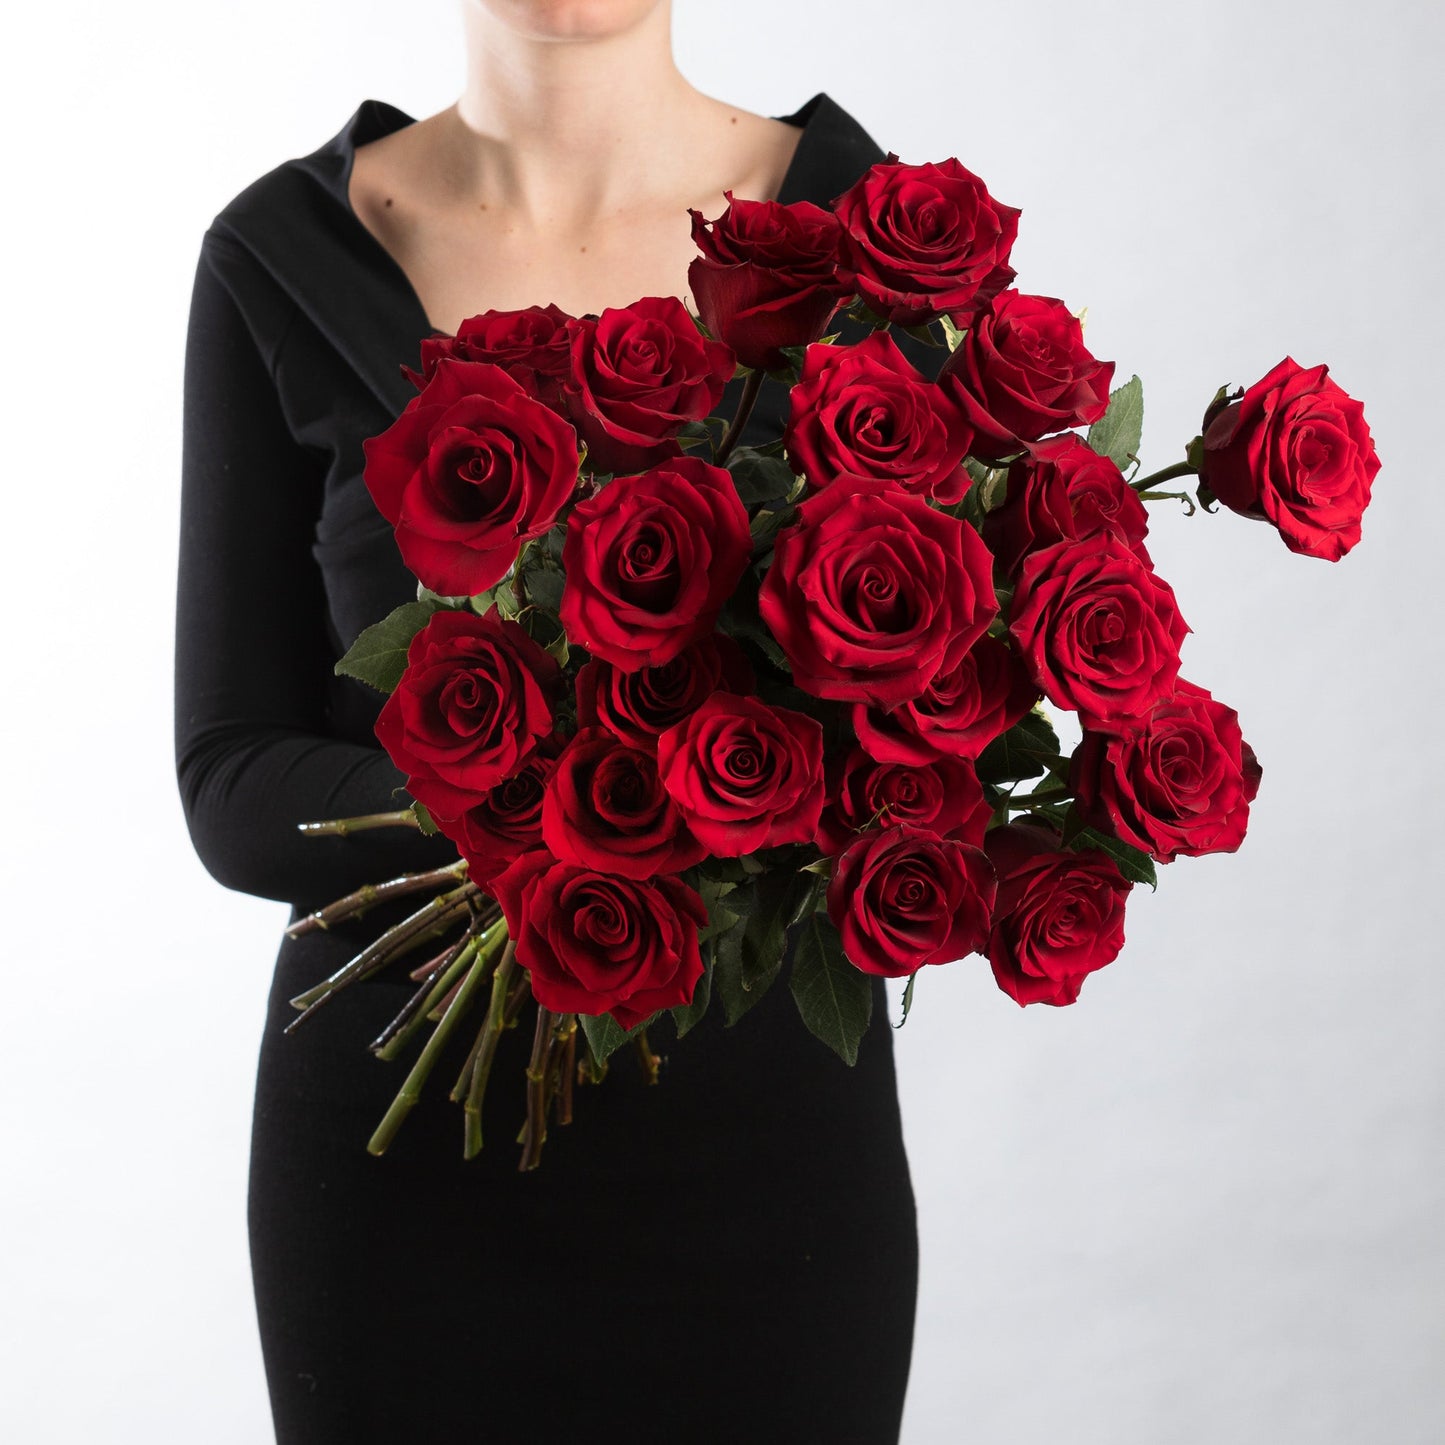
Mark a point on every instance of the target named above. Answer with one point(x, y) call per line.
point(640, 704)
point(1294, 451)
point(958, 714)
point(1098, 630)
point(1059, 915)
point(1177, 781)
point(866, 411)
point(1021, 371)
point(606, 808)
point(871, 591)
point(638, 374)
point(1061, 490)
point(508, 820)
point(903, 897)
point(921, 241)
point(944, 795)
point(598, 943)
point(651, 559)
point(472, 468)
point(745, 774)
point(767, 276)
point(476, 697)
point(531, 345)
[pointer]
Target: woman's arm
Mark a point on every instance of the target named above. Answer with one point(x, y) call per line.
point(252, 657)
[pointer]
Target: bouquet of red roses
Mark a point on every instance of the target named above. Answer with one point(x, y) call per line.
point(691, 709)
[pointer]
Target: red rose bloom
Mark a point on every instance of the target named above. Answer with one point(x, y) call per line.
point(903, 897)
point(921, 241)
point(1099, 631)
point(476, 697)
point(1021, 371)
point(531, 345)
point(651, 559)
point(1294, 451)
point(958, 714)
point(598, 943)
point(1058, 917)
point(640, 704)
point(745, 774)
point(1061, 490)
point(871, 591)
point(472, 468)
point(1178, 780)
point(605, 807)
point(866, 411)
point(767, 276)
point(944, 795)
point(508, 820)
point(638, 374)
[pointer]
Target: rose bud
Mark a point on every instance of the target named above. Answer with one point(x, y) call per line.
point(871, 591)
point(745, 774)
point(1021, 371)
point(638, 374)
point(651, 559)
point(605, 807)
point(1058, 917)
point(767, 276)
point(1294, 451)
point(921, 241)
point(903, 897)
point(1177, 781)
point(1098, 630)
point(866, 411)
point(1061, 490)
point(596, 943)
point(640, 704)
point(476, 697)
point(944, 795)
point(531, 345)
point(472, 469)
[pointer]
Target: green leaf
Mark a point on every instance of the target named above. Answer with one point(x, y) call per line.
point(605, 1035)
point(760, 479)
point(727, 974)
point(378, 656)
point(1026, 750)
point(951, 333)
point(922, 332)
point(834, 998)
point(544, 587)
point(685, 1016)
point(424, 820)
point(1116, 434)
point(1135, 865)
point(908, 997)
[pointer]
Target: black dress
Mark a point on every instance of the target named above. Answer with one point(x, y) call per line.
point(730, 1255)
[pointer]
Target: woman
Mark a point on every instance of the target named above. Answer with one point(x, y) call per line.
point(731, 1255)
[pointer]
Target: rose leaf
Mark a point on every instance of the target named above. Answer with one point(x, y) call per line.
point(834, 998)
point(378, 656)
point(1116, 434)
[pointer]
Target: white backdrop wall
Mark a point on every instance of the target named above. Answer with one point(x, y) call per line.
point(1202, 1205)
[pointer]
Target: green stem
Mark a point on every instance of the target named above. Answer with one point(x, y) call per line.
point(751, 383)
point(393, 1041)
point(534, 1131)
point(482, 1065)
point(1179, 469)
point(372, 893)
point(341, 827)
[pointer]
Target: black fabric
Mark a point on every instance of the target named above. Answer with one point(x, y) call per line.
point(728, 1255)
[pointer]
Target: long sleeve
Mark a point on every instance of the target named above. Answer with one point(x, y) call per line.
point(252, 654)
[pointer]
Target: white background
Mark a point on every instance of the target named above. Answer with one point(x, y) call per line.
point(1204, 1204)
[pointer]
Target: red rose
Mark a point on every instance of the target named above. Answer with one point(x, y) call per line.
point(767, 276)
point(1295, 451)
point(1021, 371)
point(598, 943)
point(871, 591)
point(745, 774)
point(640, 704)
point(1099, 631)
point(943, 795)
point(866, 411)
point(605, 807)
point(1058, 917)
point(472, 468)
point(921, 241)
point(903, 897)
point(638, 374)
point(1178, 780)
point(1061, 490)
point(651, 559)
point(476, 697)
point(961, 711)
point(531, 345)
point(508, 820)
